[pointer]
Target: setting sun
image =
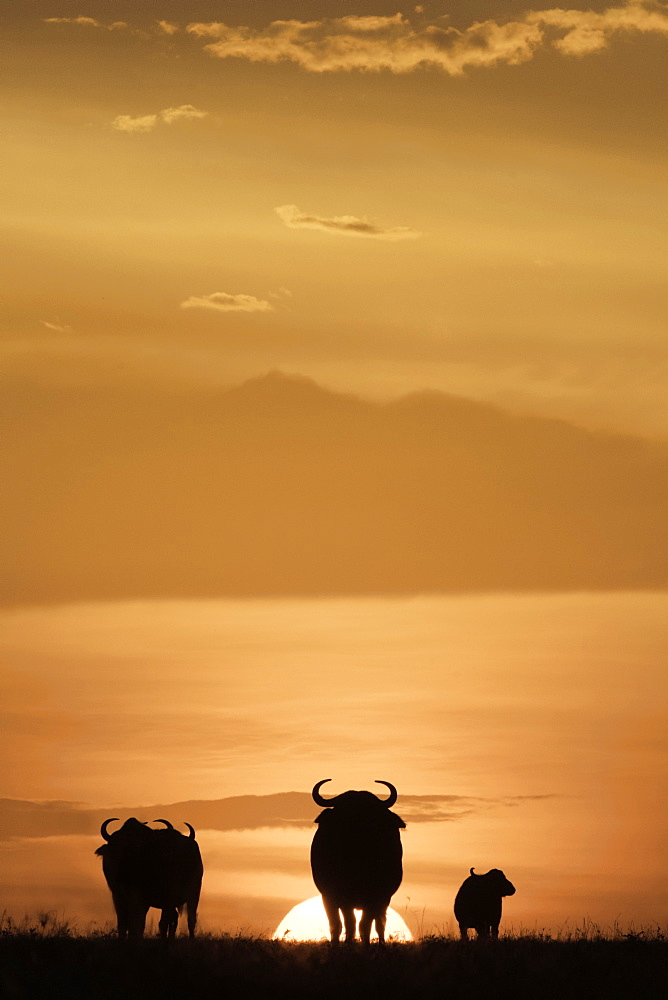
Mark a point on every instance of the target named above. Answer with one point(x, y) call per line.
point(307, 921)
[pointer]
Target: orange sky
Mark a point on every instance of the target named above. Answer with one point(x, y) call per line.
point(440, 514)
point(522, 732)
point(511, 182)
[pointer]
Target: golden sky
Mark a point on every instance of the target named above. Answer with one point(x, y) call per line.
point(464, 197)
point(333, 341)
point(522, 732)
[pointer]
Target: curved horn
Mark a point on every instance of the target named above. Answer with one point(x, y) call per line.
point(166, 822)
point(389, 802)
point(472, 871)
point(192, 831)
point(317, 797)
point(103, 828)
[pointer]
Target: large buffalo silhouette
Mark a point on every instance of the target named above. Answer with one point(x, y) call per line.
point(356, 859)
point(146, 867)
point(478, 903)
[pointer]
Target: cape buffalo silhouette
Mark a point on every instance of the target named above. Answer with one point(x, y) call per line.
point(478, 903)
point(146, 867)
point(356, 859)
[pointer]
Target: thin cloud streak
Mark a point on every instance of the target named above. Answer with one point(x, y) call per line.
point(186, 111)
point(396, 44)
point(26, 818)
point(86, 22)
point(146, 123)
point(346, 225)
point(56, 327)
point(225, 302)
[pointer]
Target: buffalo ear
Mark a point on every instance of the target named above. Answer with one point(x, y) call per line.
point(398, 822)
point(326, 816)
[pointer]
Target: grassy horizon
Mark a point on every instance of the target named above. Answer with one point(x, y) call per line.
point(50, 924)
point(48, 956)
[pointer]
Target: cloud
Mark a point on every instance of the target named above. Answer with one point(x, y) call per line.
point(372, 43)
point(588, 31)
point(306, 464)
point(89, 22)
point(24, 818)
point(168, 27)
point(170, 115)
point(224, 302)
point(56, 327)
point(396, 44)
point(126, 123)
point(145, 123)
point(347, 225)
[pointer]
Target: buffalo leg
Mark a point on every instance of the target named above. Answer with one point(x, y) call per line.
point(130, 918)
point(191, 907)
point(365, 926)
point(495, 931)
point(169, 919)
point(137, 922)
point(464, 931)
point(380, 919)
point(334, 918)
point(122, 921)
point(482, 931)
point(350, 923)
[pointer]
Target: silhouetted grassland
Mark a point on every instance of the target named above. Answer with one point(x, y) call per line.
point(45, 958)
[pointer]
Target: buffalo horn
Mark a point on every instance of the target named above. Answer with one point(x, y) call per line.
point(192, 832)
point(103, 828)
point(166, 822)
point(472, 871)
point(393, 793)
point(317, 797)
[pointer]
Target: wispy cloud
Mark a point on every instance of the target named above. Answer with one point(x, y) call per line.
point(170, 115)
point(87, 22)
point(141, 123)
point(225, 302)
point(23, 818)
point(588, 31)
point(400, 45)
point(346, 225)
point(56, 327)
point(168, 27)
point(145, 123)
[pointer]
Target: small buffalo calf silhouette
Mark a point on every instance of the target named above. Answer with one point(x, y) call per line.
point(478, 903)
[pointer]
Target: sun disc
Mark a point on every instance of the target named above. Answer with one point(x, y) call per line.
point(307, 921)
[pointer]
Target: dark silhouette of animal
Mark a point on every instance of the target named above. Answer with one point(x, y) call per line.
point(144, 868)
point(356, 859)
point(478, 903)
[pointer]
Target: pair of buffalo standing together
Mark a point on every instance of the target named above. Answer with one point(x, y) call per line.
point(356, 858)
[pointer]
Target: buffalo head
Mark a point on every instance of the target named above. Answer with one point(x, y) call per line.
point(354, 800)
point(496, 883)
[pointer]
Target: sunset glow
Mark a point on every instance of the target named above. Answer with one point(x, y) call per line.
point(307, 921)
